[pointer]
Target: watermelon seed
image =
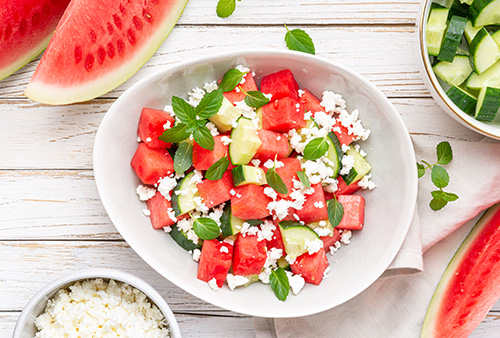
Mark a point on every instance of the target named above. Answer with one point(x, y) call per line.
point(122, 9)
point(89, 62)
point(120, 46)
point(110, 28)
point(101, 54)
point(78, 54)
point(118, 21)
point(8, 32)
point(146, 15)
point(137, 23)
point(93, 36)
point(111, 50)
point(131, 36)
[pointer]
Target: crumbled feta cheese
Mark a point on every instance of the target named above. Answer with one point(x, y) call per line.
point(148, 139)
point(213, 129)
point(366, 183)
point(166, 185)
point(232, 192)
point(325, 273)
point(167, 229)
point(296, 282)
point(238, 195)
point(347, 164)
point(145, 193)
point(279, 164)
point(195, 96)
point(233, 281)
point(301, 92)
point(268, 96)
point(213, 284)
point(200, 206)
point(270, 192)
point(197, 177)
point(146, 212)
point(225, 140)
point(313, 246)
point(228, 240)
point(322, 232)
point(264, 276)
point(346, 236)
point(255, 162)
point(269, 164)
point(266, 231)
point(138, 139)
point(289, 259)
point(210, 86)
point(224, 249)
point(279, 208)
point(331, 101)
point(170, 110)
point(196, 255)
point(319, 204)
point(345, 148)
point(167, 125)
point(242, 69)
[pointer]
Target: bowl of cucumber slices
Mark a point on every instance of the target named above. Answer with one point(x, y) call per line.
point(459, 42)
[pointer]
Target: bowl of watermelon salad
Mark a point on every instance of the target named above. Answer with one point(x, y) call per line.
point(241, 178)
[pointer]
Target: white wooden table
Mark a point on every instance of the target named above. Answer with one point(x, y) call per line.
point(51, 219)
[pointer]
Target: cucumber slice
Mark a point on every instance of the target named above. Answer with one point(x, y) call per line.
point(470, 31)
point(452, 38)
point(496, 36)
point(436, 26)
point(294, 237)
point(484, 51)
point(334, 153)
point(488, 104)
point(283, 263)
point(485, 12)
point(226, 116)
point(489, 78)
point(459, 8)
point(181, 238)
point(245, 143)
point(247, 174)
point(361, 167)
point(465, 101)
point(230, 225)
point(183, 202)
point(453, 73)
point(326, 225)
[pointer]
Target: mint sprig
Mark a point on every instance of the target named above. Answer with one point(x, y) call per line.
point(217, 170)
point(275, 181)
point(205, 228)
point(279, 283)
point(183, 159)
point(335, 211)
point(316, 148)
point(299, 40)
point(225, 8)
point(303, 178)
point(231, 79)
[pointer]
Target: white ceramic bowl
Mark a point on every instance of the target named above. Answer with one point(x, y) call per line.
point(438, 88)
point(389, 208)
point(25, 327)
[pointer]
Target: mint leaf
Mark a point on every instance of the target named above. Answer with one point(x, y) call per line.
point(225, 8)
point(274, 180)
point(209, 104)
point(437, 204)
point(204, 138)
point(303, 178)
point(316, 148)
point(444, 153)
point(231, 79)
point(439, 176)
point(177, 133)
point(206, 228)
point(183, 110)
point(183, 159)
point(254, 222)
point(297, 39)
point(279, 283)
point(450, 197)
point(335, 212)
point(256, 99)
point(420, 170)
point(217, 170)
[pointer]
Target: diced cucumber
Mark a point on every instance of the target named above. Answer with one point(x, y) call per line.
point(453, 73)
point(295, 237)
point(470, 31)
point(461, 51)
point(496, 36)
point(226, 116)
point(468, 2)
point(334, 153)
point(452, 38)
point(485, 12)
point(488, 104)
point(322, 225)
point(181, 238)
point(283, 263)
point(489, 78)
point(184, 194)
point(484, 51)
point(459, 8)
point(230, 225)
point(247, 174)
point(360, 168)
point(258, 112)
point(436, 26)
point(245, 143)
point(465, 101)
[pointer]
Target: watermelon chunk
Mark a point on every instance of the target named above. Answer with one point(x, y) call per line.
point(470, 286)
point(282, 115)
point(249, 255)
point(237, 95)
point(310, 102)
point(280, 85)
point(159, 207)
point(250, 202)
point(214, 193)
point(288, 173)
point(329, 241)
point(354, 212)
point(204, 158)
point(344, 189)
point(276, 240)
point(152, 123)
point(273, 144)
point(311, 267)
point(215, 261)
point(343, 134)
point(314, 208)
point(150, 164)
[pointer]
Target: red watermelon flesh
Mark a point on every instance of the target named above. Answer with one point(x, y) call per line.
point(354, 212)
point(314, 208)
point(329, 241)
point(215, 261)
point(310, 102)
point(250, 202)
point(216, 192)
point(280, 84)
point(273, 144)
point(159, 207)
point(344, 189)
point(98, 44)
point(25, 31)
point(470, 286)
point(204, 158)
point(343, 134)
point(152, 123)
point(288, 173)
point(237, 94)
point(249, 255)
point(311, 267)
point(276, 240)
point(150, 164)
point(282, 115)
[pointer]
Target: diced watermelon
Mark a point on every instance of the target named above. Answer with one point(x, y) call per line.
point(282, 115)
point(249, 255)
point(237, 95)
point(311, 267)
point(150, 164)
point(328, 241)
point(311, 212)
point(159, 207)
point(152, 123)
point(276, 240)
point(310, 102)
point(215, 261)
point(250, 202)
point(273, 144)
point(216, 192)
point(344, 189)
point(204, 158)
point(354, 212)
point(280, 84)
point(343, 134)
point(288, 173)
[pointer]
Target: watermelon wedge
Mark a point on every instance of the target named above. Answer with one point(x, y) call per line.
point(98, 44)
point(25, 31)
point(470, 286)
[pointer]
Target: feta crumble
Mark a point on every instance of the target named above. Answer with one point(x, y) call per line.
point(233, 281)
point(145, 193)
point(213, 284)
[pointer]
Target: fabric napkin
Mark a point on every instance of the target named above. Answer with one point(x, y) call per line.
point(395, 305)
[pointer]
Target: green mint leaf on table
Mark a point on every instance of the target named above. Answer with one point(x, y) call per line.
point(316, 148)
point(256, 99)
point(447, 196)
point(231, 79)
point(274, 180)
point(183, 110)
point(183, 159)
point(206, 228)
point(217, 170)
point(225, 8)
point(279, 283)
point(176, 134)
point(209, 104)
point(297, 39)
point(420, 170)
point(439, 176)
point(437, 204)
point(204, 138)
point(444, 153)
point(303, 178)
point(335, 212)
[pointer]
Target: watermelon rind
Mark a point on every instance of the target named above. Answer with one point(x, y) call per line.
point(455, 311)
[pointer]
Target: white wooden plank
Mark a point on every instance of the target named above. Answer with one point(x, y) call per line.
point(385, 55)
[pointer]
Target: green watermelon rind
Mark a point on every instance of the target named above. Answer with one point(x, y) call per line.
point(57, 95)
point(431, 325)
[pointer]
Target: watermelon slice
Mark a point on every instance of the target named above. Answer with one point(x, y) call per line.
point(311, 267)
point(151, 164)
point(216, 192)
point(280, 84)
point(273, 144)
point(250, 202)
point(249, 255)
point(98, 44)
point(310, 102)
point(26, 29)
point(152, 123)
point(314, 208)
point(204, 158)
point(354, 212)
point(159, 207)
point(282, 115)
point(215, 261)
point(470, 286)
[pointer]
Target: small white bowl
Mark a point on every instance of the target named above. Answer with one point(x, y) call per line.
point(438, 88)
point(25, 326)
point(389, 208)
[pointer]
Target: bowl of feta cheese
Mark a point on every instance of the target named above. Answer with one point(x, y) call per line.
point(97, 303)
point(356, 260)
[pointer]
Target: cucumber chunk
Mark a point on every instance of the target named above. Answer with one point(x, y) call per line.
point(246, 174)
point(465, 101)
point(295, 236)
point(485, 12)
point(452, 38)
point(470, 31)
point(230, 225)
point(334, 153)
point(496, 36)
point(325, 226)
point(453, 73)
point(484, 51)
point(183, 202)
point(226, 116)
point(245, 143)
point(182, 240)
point(361, 167)
point(436, 26)
point(489, 78)
point(488, 103)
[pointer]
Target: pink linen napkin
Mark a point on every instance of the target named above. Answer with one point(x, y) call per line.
point(395, 305)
